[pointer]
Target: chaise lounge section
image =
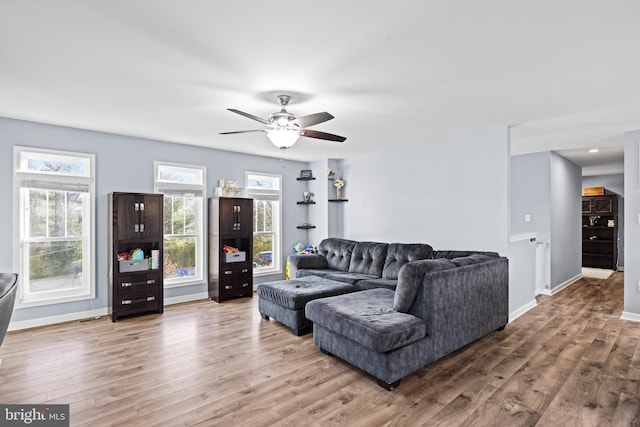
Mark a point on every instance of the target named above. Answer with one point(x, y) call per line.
point(440, 305)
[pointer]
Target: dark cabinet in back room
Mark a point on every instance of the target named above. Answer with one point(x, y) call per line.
point(600, 231)
point(231, 226)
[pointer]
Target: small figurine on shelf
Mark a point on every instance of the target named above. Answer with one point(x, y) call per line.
point(310, 250)
point(301, 249)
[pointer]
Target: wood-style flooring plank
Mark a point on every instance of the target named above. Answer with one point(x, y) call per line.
point(569, 361)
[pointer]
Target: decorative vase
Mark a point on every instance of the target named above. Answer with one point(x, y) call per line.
point(338, 193)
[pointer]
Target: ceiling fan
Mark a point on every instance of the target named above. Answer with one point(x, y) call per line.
point(284, 129)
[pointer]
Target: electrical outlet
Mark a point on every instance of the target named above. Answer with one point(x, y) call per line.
point(527, 218)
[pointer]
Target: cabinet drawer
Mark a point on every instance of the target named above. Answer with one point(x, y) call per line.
point(235, 287)
point(138, 281)
point(232, 269)
point(139, 293)
point(137, 305)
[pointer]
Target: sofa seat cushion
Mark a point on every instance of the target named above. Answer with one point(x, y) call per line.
point(294, 294)
point(368, 318)
point(365, 284)
point(350, 278)
point(319, 272)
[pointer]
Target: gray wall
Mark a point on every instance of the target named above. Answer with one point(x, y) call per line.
point(566, 220)
point(452, 194)
point(632, 226)
point(530, 195)
point(613, 184)
point(549, 187)
point(126, 164)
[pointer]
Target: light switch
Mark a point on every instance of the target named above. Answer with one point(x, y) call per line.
point(527, 218)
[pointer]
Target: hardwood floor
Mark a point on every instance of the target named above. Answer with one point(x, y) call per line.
point(569, 361)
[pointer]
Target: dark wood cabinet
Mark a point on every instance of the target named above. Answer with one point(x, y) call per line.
point(230, 224)
point(600, 231)
point(136, 286)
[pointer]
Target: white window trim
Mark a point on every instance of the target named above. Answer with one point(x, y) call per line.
point(277, 266)
point(199, 191)
point(88, 291)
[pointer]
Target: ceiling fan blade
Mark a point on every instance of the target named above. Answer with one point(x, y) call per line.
point(321, 135)
point(312, 119)
point(243, 131)
point(249, 116)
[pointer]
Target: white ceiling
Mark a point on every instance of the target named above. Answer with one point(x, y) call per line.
point(563, 74)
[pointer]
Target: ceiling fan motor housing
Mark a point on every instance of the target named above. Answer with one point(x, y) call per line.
point(283, 119)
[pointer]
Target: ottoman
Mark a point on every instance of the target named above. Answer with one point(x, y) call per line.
point(285, 300)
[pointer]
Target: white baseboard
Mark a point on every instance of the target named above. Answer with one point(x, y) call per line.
point(50, 320)
point(186, 298)
point(80, 315)
point(565, 284)
point(634, 317)
point(522, 310)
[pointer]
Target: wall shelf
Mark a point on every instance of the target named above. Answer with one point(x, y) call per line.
point(306, 203)
point(338, 200)
point(306, 179)
point(306, 227)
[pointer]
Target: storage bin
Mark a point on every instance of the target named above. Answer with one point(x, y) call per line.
point(134, 265)
point(235, 257)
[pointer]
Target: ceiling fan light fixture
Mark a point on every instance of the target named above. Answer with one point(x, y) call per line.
point(283, 137)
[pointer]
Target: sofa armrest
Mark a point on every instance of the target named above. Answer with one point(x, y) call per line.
point(309, 261)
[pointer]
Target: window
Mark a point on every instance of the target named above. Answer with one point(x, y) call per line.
point(265, 190)
point(183, 187)
point(55, 199)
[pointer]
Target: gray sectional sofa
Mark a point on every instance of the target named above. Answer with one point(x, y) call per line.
point(409, 305)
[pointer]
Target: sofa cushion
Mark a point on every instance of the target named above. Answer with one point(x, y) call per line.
point(398, 254)
point(364, 284)
point(460, 254)
point(368, 318)
point(411, 277)
point(368, 258)
point(294, 294)
point(337, 252)
point(350, 278)
point(321, 272)
point(471, 259)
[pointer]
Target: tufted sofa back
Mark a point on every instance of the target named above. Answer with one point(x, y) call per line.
point(368, 258)
point(337, 252)
point(399, 254)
